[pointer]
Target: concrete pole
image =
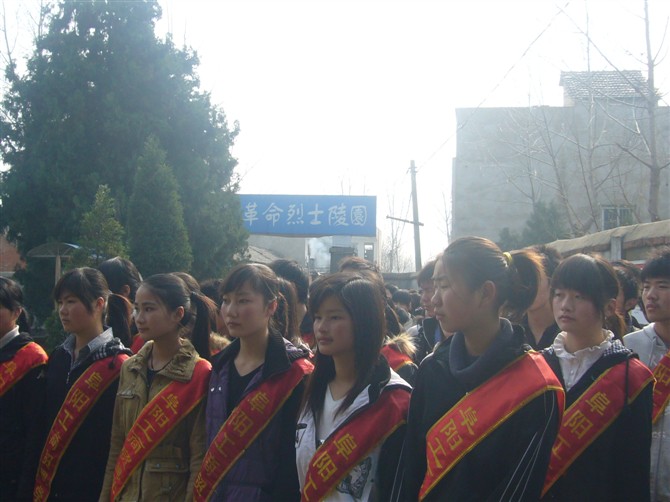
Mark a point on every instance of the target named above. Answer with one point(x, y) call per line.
point(415, 207)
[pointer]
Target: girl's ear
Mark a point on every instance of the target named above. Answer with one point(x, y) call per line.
point(178, 314)
point(488, 292)
point(272, 307)
point(99, 304)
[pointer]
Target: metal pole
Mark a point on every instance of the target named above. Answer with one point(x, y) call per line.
point(415, 207)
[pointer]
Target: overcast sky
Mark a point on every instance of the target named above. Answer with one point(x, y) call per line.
point(336, 97)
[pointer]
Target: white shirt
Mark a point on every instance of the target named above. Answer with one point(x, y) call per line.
point(575, 364)
point(9, 336)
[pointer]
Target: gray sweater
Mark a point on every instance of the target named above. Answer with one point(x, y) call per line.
point(649, 346)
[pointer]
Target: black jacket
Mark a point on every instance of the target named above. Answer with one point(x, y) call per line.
point(19, 408)
point(82, 468)
point(616, 465)
point(425, 338)
point(511, 462)
point(546, 339)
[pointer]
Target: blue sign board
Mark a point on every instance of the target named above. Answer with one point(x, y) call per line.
point(309, 215)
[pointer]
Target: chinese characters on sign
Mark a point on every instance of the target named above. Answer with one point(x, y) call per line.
point(309, 215)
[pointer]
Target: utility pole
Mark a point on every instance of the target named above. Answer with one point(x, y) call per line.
point(415, 207)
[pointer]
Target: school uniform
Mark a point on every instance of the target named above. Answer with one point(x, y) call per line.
point(510, 462)
point(615, 466)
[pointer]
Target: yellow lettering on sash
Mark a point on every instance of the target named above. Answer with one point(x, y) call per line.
point(345, 445)
point(309, 484)
point(94, 381)
point(221, 446)
point(171, 403)
point(469, 419)
point(63, 422)
point(39, 492)
point(436, 447)
point(54, 440)
point(451, 432)
point(599, 402)
point(48, 459)
point(560, 442)
point(211, 465)
point(145, 427)
point(79, 399)
point(579, 424)
point(325, 465)
point(161, 419)
point(135, 442)
point(10, 368)
point(200, 484)
point(259, 401)
point(662, 374)
point(241, 422)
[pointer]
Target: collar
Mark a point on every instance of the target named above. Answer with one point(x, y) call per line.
point(9, 336)
point(180, 368)
point(652, 332)
point(561, 351)
point(100, 340)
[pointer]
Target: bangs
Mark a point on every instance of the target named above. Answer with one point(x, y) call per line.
point(256, 275)
point(592, 277)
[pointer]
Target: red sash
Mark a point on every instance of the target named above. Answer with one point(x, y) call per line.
point(26, 358)
point(78, 403)
point(156, 420)
point(350, 444)
point(591, 414)
point(395, 358)
point(245, 423)
point(661, 387)
point(481, 411)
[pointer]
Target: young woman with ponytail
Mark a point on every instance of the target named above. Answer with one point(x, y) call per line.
point(254, 393)
point(158, 432)
point(484, 412)
point(81, 383)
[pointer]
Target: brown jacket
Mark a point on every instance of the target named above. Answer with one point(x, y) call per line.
point(170, 469)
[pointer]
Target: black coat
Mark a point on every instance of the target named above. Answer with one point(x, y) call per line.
point(19, 408)
point(81, 470)
point(511, 462)
point(425, 338)
point(616, 465)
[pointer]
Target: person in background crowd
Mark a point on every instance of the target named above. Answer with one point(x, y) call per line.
point(538, 322)
point(291, 271)
point(123, 279)
point(286, 315)
point(602, 449)
point(467, 440)
point(255, 391)
point(415, 304)
point(218, 338)
point(81, 385)
point(158, 430)
point(401, 299)
point(427, 334)
point(22, 364)
point(353, 402)
point(652, 344)
point(628, 298)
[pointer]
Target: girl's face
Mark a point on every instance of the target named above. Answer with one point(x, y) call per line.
point(152, 317)
point(76, 318)
point(333, 328)
point(246, 312)
point(8, 319)
point(455, 306)
point(575, 313)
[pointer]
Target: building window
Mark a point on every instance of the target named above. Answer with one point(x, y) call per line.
point(369, 252)
point(617, 216)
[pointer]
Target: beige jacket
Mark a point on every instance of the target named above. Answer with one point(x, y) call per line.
point(170, 469)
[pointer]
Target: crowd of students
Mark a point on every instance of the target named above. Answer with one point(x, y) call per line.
point(525, 378)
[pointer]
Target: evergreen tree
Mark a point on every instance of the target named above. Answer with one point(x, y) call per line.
point(101, 235)
point(157, 235)
point(98, 84)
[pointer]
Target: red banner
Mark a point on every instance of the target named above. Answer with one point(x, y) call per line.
point(350, 444)
point(590, 415)
point(156, 420)
point(244, 424)
point(26, 358)
point(78, 403)
point(395, 358)
point(481, 411)
point(661, 387)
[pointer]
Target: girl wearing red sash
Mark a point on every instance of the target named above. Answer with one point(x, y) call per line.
point(602, 452)
point(175, 324)
point(250, 423)
point(85, 307)
point(461, 446)
point(21, 387)
point(350, 431)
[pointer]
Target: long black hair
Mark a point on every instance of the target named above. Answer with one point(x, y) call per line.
point(88, 284)
point(363, 302)
point(11, 297)
point(173, 292)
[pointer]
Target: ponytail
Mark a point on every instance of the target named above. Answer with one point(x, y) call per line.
point(516, 275)
point(118, 317)
point(202, 327)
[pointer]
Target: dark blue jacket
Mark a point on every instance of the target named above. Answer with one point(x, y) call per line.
point(267, 469)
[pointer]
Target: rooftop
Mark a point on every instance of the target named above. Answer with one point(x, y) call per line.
point(625, 84)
